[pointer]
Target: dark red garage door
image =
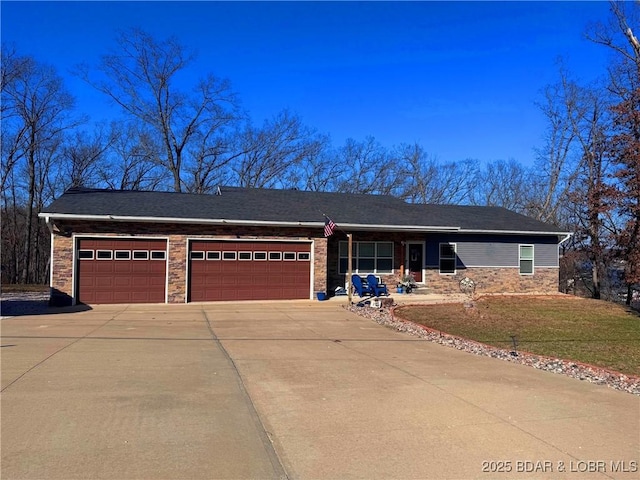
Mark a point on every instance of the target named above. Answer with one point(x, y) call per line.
point(220, 270)
point(121, 271)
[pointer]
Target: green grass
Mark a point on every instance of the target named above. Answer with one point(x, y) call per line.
point(588, 331)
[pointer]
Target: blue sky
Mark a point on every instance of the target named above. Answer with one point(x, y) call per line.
point(460, 78)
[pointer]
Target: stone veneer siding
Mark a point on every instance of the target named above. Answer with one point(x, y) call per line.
point(177, 235)
point(495, 280)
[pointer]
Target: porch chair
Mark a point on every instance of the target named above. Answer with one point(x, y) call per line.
point(360, 288)
point(377, 288)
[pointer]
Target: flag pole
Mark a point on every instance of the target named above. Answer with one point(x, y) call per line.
point(328, 233)
point(349, 267)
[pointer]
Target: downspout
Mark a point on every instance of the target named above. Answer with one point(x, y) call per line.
point(47, 221)
point(567, 237)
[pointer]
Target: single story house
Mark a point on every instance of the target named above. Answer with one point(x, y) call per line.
point(115, 246)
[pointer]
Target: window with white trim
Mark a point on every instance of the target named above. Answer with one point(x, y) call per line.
point(260, 256)
point(104, 254)
point(289, 256)
point(141, 255)
point(123, 255)
point(367, 257)
point(526, 259)
point(85, 254)
point(447, 258)
point(213, 255)
point(275, 256)
point(244, 255)
point(158, 255)
point(197, 255)
point(229, 255)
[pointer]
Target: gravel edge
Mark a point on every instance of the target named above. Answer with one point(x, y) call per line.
point(579, 371)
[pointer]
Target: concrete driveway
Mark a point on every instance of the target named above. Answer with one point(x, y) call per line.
point(288, 390)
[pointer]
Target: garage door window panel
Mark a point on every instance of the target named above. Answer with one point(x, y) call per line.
point(122, 255)
point(140, 255)
point(104, 255)
point(229, 256)
point(214, 255)
point(158, 255)
point(85, 254)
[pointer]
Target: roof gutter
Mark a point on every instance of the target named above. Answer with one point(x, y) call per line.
point(517, 232)
point(222, 221)
point(270, 223)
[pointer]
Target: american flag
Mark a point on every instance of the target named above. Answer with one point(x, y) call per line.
point(329, 227)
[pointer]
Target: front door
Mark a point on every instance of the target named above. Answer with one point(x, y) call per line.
point(415, 262)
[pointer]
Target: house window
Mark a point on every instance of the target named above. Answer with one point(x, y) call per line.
point(526, 259)
point(368, 257)
point(447, 258)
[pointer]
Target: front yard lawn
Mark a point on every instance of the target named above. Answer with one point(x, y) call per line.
point(588, 331)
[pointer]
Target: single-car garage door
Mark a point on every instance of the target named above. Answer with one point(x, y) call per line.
point(227, 270)
point(121, 270)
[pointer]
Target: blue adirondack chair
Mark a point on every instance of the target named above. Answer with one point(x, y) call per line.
point(359, 287)
point(376, 287)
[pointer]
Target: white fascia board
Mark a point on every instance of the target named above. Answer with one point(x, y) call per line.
point(223, 221)
point(396, 228)
point(214, 221)
point(515, 232)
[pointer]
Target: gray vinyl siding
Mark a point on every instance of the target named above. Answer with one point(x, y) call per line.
point(495, 251)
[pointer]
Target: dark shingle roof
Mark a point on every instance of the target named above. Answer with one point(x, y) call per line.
point(289, 206)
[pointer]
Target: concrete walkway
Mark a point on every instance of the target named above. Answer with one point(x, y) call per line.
point(302, 389)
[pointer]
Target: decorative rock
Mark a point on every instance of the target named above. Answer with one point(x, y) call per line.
point(589, 373)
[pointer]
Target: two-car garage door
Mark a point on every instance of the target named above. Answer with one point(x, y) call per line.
point(227, 270)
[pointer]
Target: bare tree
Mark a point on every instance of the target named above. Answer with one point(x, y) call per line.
point(361, 164)
point(36, 113)
point(270, 155)
point(130, 164)
point(142, 77)
point(426, 180)
point(84, 155)
point(620, 36)
point(503, 183)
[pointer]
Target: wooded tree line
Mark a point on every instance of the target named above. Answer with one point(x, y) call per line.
point(586, 177)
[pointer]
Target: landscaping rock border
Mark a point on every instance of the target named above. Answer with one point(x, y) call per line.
point(580, 371)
